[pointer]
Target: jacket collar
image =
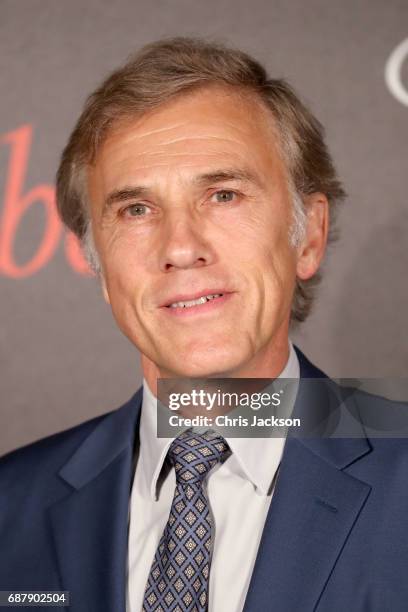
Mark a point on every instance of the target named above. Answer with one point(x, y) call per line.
point(118, 429)
point(323, 401)
point(89, 525)
point(115, 432)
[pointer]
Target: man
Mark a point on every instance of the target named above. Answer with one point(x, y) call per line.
point(201, 190)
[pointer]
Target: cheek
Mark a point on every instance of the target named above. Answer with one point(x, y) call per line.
point(277, 273)
point(124, 285)
point(269, 249)
point(122, 260)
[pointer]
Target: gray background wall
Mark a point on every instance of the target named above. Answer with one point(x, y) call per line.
point(62, 358)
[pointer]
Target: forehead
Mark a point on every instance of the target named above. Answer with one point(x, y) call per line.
point(193, 132)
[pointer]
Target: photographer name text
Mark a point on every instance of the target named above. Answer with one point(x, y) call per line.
point(226, 421)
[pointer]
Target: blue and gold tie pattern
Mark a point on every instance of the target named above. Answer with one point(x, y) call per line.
point(179, 576)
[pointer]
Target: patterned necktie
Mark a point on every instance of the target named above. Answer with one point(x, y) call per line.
point(179, 576)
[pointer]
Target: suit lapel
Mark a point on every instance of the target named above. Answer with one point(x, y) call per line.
point(314, 508)
point(90, 524)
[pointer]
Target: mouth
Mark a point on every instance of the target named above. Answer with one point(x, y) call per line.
point(195, 302)
point(202, 302)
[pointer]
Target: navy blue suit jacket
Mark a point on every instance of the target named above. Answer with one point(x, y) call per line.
point(335, 537)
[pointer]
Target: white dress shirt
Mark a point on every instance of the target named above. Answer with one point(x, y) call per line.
point(239, 492)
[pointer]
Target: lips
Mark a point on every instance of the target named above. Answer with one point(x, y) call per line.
point(191, 299)
point(197, 302)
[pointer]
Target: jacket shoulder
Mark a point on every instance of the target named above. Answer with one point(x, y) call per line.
point(43, 458)
point(30, 476)
point(385, 420)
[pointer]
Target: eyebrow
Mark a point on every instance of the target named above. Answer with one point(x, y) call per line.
point(230, 174)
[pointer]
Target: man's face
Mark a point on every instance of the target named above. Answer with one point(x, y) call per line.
point(191, 201)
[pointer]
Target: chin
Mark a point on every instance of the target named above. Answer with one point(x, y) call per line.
point(208, 364)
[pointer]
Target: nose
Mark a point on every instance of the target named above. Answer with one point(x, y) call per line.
point(183, 245)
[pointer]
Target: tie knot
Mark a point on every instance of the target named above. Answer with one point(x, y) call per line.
point(194, 455)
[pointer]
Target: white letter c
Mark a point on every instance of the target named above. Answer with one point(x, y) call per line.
point(393, 72)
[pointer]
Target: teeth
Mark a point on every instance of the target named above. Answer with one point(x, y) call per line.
point(201, 300)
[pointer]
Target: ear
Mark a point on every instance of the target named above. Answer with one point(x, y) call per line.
point(311, 251)
point(104, 289)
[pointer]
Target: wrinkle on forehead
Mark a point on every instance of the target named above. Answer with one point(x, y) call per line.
point(166, 128)
point(207, 137)
point(214, 153)
point(186, 112)
point(196, 132)
point(188, 123)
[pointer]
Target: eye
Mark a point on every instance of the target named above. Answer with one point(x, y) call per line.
point(135, 210)
point(224, 196)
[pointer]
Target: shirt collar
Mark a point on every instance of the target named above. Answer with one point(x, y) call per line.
point(244, 460)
